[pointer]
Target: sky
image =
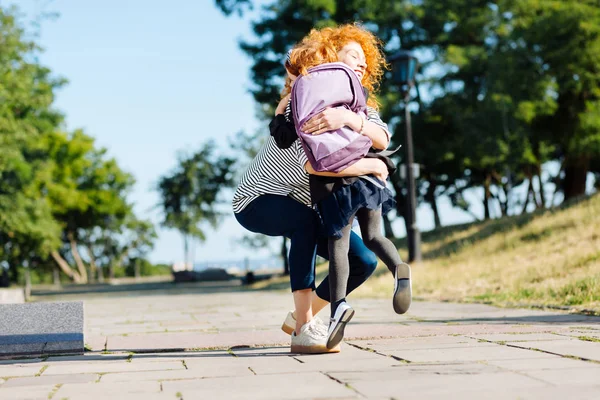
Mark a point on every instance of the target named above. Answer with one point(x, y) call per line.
point(150, 78)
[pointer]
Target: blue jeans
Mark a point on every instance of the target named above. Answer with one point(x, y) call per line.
point(274, 215)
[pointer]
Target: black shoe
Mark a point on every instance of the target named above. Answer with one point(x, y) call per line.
point(402, 289)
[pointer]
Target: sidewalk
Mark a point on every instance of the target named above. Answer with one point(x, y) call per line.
point(227, 344)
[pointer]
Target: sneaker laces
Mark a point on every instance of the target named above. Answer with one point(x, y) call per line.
point(321, 325)
point(315, 329)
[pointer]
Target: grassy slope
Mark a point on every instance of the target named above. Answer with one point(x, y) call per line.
point(551, 257)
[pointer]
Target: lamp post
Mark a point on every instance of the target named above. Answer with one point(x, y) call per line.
point(404, 67)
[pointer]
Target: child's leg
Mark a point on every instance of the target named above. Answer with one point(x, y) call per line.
point(339, 271)
point(339, 267)
point(370, 229)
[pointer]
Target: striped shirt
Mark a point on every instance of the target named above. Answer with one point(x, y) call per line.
point(281, 171)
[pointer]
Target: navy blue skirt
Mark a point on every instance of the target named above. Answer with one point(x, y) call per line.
point(337, 208)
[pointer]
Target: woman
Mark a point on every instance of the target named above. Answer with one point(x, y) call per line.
point(339, 56)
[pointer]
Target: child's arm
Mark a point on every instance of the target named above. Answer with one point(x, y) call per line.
point(281, 128)
point(364, 166)
point(335, 118)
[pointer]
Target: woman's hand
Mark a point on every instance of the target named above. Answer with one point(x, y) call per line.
point(331, 119)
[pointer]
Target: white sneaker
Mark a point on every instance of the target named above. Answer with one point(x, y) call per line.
point(289, 325)
point(402, 296)
point(311, 340)
point(343, 314)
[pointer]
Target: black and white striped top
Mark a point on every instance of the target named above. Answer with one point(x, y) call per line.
point(281, 171)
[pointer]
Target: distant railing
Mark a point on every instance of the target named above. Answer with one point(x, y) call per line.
point(236, 266)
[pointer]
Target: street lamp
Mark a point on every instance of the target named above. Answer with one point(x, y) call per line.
point(404, 68)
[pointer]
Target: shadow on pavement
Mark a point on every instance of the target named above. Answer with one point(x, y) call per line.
point(124, 355)
point(140, 289)
point(525, 319)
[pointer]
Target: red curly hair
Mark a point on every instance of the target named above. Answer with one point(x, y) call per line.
point(322, 46)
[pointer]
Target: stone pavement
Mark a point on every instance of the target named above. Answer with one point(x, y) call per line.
point(227, 344)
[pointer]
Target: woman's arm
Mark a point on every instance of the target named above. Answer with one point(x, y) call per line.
point(335, 118)
point(364, 166)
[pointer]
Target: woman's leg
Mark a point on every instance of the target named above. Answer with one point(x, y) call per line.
point(282, 216)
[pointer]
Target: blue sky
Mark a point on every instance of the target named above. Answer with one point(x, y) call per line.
point(150, 78)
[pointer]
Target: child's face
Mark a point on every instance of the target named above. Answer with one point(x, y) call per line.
point(353, 55)
point(290, 75)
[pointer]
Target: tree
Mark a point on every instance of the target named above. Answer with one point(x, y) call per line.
point(189, 195)
point(27, 228)
point(510, 84)
point(55, 187)
point(86, 192)
point(563, 39)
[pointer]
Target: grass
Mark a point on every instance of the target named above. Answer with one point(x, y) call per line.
point(548, 258)
point(589, 339)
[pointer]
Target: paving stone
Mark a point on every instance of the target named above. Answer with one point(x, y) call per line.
point(195, 373)
point(12, 296)
point(286, 386)
point(521, 337)
point(26, 392)
point(178, 340)
point(178, 356)
point(20, 369)
point(51, 379)
point(34, 329)
point(525, 364)
point(576, 348)
point(586, 333)
point(403, 382)
point(431, 342)
point(529, 393)
point(589, 375)
point(117, 390)
point(479, 352)
point(108, 366)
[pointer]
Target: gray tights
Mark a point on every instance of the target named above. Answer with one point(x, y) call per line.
point(339, 267)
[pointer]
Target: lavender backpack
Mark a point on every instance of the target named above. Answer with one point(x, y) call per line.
point(330, 85)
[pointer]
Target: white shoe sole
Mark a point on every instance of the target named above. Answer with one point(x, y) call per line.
point(313, 349)
point(287, 329)
point(337, 334)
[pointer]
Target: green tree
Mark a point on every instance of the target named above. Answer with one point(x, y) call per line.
point(27, 228)
point(511, 84)
point(563, 39)
point(87, 191)
point(189, 196)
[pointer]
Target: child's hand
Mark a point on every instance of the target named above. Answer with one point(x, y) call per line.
point(282, 104)
point(380, 170)
point(329, 120)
